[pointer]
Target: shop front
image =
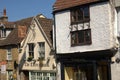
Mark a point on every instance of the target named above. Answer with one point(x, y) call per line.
point(85, 67)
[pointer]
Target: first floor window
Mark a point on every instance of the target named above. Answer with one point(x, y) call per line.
point(81, 37)
point(80, 14)
point(31, 49)
point(41, 50)
point(9, 54)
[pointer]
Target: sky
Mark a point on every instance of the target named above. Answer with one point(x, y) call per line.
point(20, 9)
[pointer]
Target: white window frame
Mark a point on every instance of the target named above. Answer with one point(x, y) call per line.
point(3, 33)
point(41, 50)
point(30, 51)
point(42, 75)
point(9, 54)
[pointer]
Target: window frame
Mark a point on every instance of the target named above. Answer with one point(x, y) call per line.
point(41, 50)
point(9, 54)
point(3, 33)
point(31, 51)
point(85, 42)
point(43, 75)
point(74, 13)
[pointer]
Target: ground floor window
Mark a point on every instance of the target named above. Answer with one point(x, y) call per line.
point(84, 71)
point(42, 75)
point(78, 73)
point(10, 75)
point(102, 71)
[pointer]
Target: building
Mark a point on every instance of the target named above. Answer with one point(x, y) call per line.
point(37, 59)
point(86, 38)
point(11, 35)
point(115, 66)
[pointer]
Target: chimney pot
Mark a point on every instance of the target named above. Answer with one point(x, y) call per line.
point(4, 12)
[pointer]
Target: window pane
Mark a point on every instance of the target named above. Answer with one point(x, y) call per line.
point(41, 50)
point(31, 49)
point(73, 16)
point(102, 73)
point(81, 36)
point(80, 14)
point(86, 12)
point(88, 36)
point(73, 38)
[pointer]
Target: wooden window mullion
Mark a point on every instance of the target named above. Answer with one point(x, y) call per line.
point(77, 37)
point(84, 36)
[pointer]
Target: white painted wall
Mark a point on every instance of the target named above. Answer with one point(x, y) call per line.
point(101, 24)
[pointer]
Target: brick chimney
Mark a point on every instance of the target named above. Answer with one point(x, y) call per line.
point(4, 17)
point(22, 31)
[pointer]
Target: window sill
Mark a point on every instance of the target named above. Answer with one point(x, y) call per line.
point(81, 44)
point(82, 21)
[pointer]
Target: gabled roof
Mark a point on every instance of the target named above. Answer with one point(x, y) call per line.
point(64, 4)
point(13, 37)
point(46, 25)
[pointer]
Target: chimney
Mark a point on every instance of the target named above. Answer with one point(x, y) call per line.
point(4, 17)
point(4, 12)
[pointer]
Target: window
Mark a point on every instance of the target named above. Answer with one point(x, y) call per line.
point(41, 50)
point(102, 70)
point(78, 72)
point(10, 75)
point(81, 37)
point(80, 14)
point(31, 50)
point(42, 76)
point(9, 54)
point(3, 33)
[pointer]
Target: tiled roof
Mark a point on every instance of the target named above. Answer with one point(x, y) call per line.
point(46, 25)
point(13, 38)
point(64, 4)
point(8, 24)
point(24, 22)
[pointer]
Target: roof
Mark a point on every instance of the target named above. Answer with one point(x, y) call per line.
point(46, 25)
point(8, 24)
point(64, 4)
point(13, 37)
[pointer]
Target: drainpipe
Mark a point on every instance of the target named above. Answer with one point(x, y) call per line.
point(55, 38)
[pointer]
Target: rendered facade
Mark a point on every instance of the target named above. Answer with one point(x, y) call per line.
point(86, 39)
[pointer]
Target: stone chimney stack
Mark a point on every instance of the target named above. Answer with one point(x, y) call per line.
point(4, 17)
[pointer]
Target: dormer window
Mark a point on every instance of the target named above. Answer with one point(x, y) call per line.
point(80, 14)
point(3, 33)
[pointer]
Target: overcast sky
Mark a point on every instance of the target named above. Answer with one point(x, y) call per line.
point(20, 9)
